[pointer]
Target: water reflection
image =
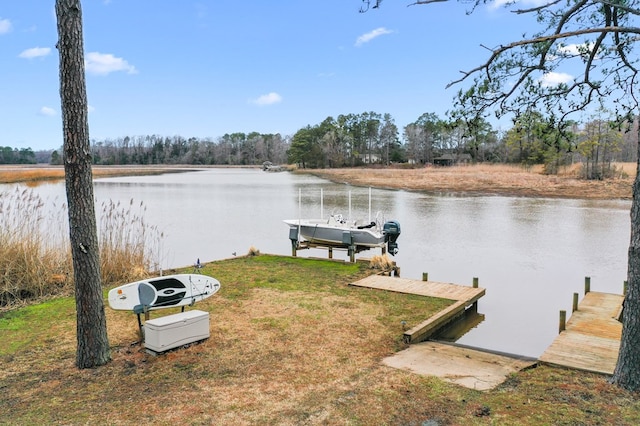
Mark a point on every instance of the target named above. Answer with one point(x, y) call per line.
point(530, 254)
point(456, 330)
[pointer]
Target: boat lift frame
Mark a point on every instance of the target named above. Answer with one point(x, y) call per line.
point(347, 244)
point(347, 240)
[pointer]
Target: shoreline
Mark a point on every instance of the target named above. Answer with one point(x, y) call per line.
point(500, 180)
point(467, 180)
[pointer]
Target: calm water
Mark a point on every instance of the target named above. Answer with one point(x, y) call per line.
point(530, 254)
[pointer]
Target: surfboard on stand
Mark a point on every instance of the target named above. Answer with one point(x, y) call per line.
point(169, 291)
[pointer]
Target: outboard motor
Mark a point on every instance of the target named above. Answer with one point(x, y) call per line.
point(391, 231)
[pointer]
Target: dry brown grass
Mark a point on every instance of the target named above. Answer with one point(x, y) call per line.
point(488, 179)
point(129, 247)
point(35, 258)
point(41, 173)
point(382, 262)
point(33, 264)
point(291, 344)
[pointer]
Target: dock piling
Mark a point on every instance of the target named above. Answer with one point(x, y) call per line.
point(587, 285)
point(575, 302)
point(425, 276)
point(563, 321)
point(475, 282)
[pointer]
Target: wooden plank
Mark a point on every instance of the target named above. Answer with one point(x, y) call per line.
point(463, 296)
point(591, 340)
point(426, 328)
point(422, 288)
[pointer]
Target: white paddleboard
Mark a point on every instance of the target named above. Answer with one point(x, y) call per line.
point(163, 292)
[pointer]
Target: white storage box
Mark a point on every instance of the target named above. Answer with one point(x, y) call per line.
point(172, 331)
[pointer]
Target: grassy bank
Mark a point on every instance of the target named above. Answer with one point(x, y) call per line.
point(489, 179)
point(493, 179)
point(40, 173)
point(291, 343)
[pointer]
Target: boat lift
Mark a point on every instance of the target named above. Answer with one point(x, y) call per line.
point(347, 243)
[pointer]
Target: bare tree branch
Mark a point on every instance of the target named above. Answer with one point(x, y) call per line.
point(552, 37)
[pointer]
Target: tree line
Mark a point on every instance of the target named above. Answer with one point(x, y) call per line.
point(10, 155)
point(351, 140)
point(373, 138)
point(231, 149)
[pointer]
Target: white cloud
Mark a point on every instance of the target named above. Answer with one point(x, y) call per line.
point(365, 38)
point(554, 78)
point(583, 49)
point(106, 63)
point(499, 3)
point(5, 26)
point(47, 111)
point(268, 99)
point(35, 52)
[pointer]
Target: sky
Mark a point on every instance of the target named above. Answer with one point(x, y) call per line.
point(209, 67)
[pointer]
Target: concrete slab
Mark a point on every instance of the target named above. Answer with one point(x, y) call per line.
point(464, 366)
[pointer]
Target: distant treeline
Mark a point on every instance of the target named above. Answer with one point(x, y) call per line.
point(230, 149)
point(10, 155)
point(373, 138)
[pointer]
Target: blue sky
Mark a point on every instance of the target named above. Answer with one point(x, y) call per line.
point(209, 67)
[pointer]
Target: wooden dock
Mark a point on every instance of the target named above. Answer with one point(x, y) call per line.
point(591, 339)
point(463, 297)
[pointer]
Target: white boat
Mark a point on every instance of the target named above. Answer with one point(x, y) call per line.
point(342, 232)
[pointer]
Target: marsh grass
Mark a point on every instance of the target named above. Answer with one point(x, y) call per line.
point(32, 262)
point(382, 262)
point(33, 175)
point(502, 179)
point(129, 247)
point(35, 259)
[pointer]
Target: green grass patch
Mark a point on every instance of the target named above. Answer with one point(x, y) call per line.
point(35, 324)
point(291, 343)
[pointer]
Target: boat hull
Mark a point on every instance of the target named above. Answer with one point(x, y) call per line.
point(322, 232)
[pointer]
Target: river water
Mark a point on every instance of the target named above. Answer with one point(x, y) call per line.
point(530, 254)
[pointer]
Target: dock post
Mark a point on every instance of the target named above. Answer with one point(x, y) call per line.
point(293, 237)
point(575, 302)
point(563, 321)
point(330, 252)
point(425, 276)
point(352, 254)
point(476, 281)
point(587, 285)
point(624, 287)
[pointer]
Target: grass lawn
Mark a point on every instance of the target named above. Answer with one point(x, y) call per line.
point(291, 343)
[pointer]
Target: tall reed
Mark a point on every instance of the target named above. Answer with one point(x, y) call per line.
point(34, 261)
point(35, 255)
point(129, 247)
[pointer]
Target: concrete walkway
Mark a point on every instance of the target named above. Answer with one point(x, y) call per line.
point(471, 368)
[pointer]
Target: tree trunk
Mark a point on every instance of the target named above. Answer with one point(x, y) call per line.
point(627, 373)
point(93, 344)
